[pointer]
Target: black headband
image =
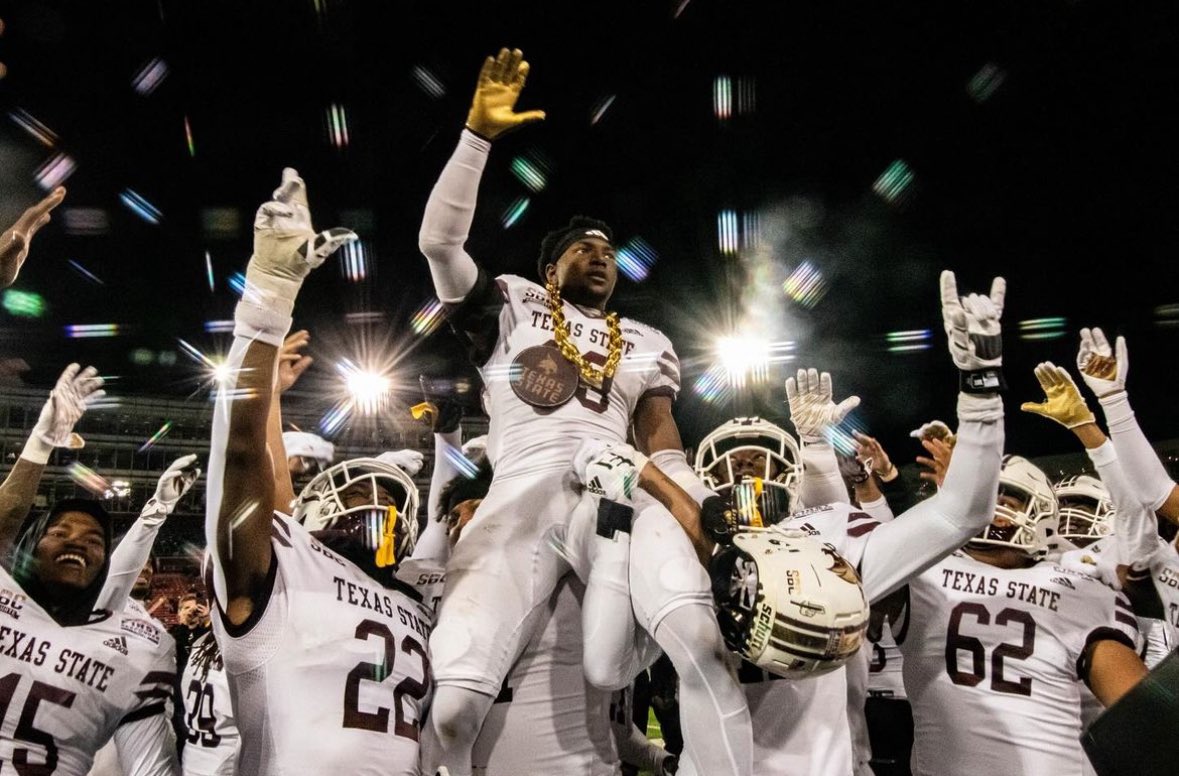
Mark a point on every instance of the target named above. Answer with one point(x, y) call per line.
point(557, 242)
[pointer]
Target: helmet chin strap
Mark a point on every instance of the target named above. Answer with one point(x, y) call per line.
point(386, 556)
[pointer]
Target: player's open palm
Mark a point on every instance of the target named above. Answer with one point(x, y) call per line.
point(493, 109)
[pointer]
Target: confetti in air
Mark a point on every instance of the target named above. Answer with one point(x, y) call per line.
point(986, 82)
point(209, 270)
point(89, 479)
point(746, 95)
point(91, 330)
point(237, 283)
point(1043, 328)
point(188, 137)
point(38, 131)
point(364, 317)
point(85, 272)
point(908, 341)
point(532, 170)
point(156, 437)
point(149, 77)
point(55, 171)
point(465, 466)
point(515, 212)
point(140, 206)
point(85, 220)
point(354, 261)
point(334, 418)
point(805, 285)
point(428, 317)
point(894, 182)
point(1166, 315)
point(636, 258)
point(337, 125)
point(751, 231)
point(600, 108)
point(220, 326)
point(722, 97)
point(195, 354)
point(428, 82)
point(726, 231)
point(23, 304)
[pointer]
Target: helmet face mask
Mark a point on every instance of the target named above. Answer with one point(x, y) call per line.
point(755, 452)
point(1085, 508)
point(1026, 512)
point(350, 506)
point(787, 603)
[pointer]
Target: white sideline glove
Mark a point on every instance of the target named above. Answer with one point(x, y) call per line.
point(1091, 565)
point(176, 480)
point(609, 469)
point(972, 325)
point(813, 411)
point(76, 389)
point(409, 461)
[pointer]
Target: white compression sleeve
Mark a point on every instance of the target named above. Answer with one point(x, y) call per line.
point(1135, 526)
point(447, 221)
point(821, 481)
point(878, 509)
point(898, 551)
point(432, 543)
point(1138, 459)
point(674, 463)
point(127, 561)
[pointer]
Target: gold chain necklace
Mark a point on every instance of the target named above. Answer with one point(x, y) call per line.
point(591, 374)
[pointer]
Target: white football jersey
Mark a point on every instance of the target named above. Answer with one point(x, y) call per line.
point(992, 661)
point(886, 666)
point(547, 719)
point(331, 676)
point(1164, 571)
point(523, 439)
point(211, 740)
point(65, 690)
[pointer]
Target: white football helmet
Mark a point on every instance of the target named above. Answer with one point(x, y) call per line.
point(1031, 526)
point(787, 603)
point(1085, 508)
point(758, 453)
point(324, 505)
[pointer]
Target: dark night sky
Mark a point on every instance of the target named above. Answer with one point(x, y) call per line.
point(1063, 180)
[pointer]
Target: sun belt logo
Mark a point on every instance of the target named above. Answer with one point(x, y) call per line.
point(118, 643)
point(12, 602)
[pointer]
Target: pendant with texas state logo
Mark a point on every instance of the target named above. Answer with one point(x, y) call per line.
point(542, 377)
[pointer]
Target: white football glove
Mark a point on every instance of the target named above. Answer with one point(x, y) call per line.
point(75, 390)
point(1102, 370)
point(813, 411)
point(934, 429)
point(176, 480)
point(286, 246)
point(475, 447)
point(976, 342)
point(409, 461)
point(609, 469)
point(1092, 565)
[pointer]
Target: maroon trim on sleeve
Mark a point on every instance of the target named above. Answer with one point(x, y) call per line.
point(662, 390)
point(857, 531)
point(1100, 634)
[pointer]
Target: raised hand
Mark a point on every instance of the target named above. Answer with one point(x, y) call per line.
point(934, 429)
point(813, 411)
point(14, 243)
point(176, 480)
point(1063, 402)
point(872, 454)
point(1104, 372)
point(75, 390)
point(940, 451)
point(409, 461)
point(291, 363)
point(972, 325)
point(493, 107)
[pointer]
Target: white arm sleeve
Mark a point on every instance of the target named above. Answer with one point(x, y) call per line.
point(127, 561)
point(674, 463)
point(447, 221)
point(1135, 526)
point(896, 552)
point(147, 747)
point(878, 509)
point(1139, 461)
point(821, 481)
point(432, 544)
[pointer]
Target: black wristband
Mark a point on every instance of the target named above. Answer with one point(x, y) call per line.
point(613, 517)
point(980, 381)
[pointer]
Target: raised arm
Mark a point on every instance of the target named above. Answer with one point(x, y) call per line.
point(240, 495)
point(1104, 371)
point(75, 390)
point(898, 551)
point(291, 366)
point(14, 242)
point(814, 413)
point(134, 548)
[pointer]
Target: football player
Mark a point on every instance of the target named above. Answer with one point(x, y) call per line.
point(803, 726)
point(995, 641)
point(210, 727)
point(557, 369)
point(324, 648)
point(73, 676)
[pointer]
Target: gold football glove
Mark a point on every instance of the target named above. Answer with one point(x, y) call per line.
point(493, 107)
point(1063, 402)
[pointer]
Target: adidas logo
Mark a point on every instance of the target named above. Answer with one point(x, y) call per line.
point(117, 643)
point(1065, 581)
point(595, 487)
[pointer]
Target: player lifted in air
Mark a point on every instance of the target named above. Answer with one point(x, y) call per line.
point(558, 369)
point(73, 676)
point(325, 650)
